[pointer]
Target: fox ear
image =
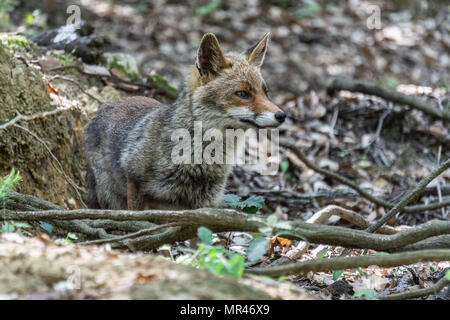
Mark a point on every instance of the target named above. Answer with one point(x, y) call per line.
point(210, 58)
point(257, 52)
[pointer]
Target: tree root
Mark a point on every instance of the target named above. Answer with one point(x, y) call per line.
point(341, 263)
point(223, 220)
point(438, 286)
point(323, 215)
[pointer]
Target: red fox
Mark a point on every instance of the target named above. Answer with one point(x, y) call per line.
point(128, 142)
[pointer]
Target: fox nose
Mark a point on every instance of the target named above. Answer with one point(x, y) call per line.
point(280, 116)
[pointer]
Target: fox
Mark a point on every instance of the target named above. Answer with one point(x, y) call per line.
point(128, 144)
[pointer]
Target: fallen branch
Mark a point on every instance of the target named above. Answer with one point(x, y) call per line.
point(152, 85)
point(435, 288)
point(388, 94)
point(341, 263)
point(21, 117)
point(323, 215)
point(133, 235)
point(223, 220)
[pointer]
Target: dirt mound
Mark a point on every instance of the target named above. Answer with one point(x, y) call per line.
point(38, 269)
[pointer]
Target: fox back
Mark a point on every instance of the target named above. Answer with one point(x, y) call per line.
point(129, 142)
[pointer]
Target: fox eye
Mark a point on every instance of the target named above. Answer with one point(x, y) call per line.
point(243, 94)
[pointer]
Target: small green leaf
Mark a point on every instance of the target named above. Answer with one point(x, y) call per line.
point(46, 226)
point(336, 274)
point(252, 204)
point(257, 248)
point(368, 293)
point(29, 17)
point(208, 8)
point(231, 199)
point(205, 235)
point(447, 274)
point(72, 236)
point(389, 82)
point(22, 225)
point(272, 220)
point(164, 247)
point(324, 252)
point(360, 271)
point(284, 166)
point(309, 9)
point(162, 82)
point(7, 227)
point(235, 266)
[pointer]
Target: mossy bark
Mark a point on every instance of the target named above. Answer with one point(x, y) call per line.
point(22, 89)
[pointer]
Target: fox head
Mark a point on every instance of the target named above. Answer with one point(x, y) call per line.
point(232, 86)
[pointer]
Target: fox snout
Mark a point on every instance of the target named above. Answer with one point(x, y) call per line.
point(260, 114)
point(268, 114)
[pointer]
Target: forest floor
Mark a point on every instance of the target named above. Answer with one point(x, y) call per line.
point(386, 147)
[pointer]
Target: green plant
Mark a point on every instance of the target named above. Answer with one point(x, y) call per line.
point(208, 8)
point(389, 82)
point(66, 59)
point(46, 226)
point(16, 41)
point(216, 258)
point(11, 226)
point(6, 184)
point(284, 166)
point(6, 7)
point(162, 82)
point(68, 239)
point(309, 9)
point(368, 293)
point(250, 205)
point(336, 274)
point(257, 248)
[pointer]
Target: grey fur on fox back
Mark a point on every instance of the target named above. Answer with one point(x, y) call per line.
point(128, 142)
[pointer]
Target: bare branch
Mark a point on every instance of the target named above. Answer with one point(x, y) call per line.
point(435, 288)
point(339, 263)
point(388, 94)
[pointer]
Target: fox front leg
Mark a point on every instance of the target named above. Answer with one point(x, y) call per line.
point(134, 201)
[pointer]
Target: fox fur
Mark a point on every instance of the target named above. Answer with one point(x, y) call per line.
point(128, 142)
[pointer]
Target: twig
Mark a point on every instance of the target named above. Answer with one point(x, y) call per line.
point(341, 263)
point(21, 117)
point(58, 77)
point(409, 197)
point(223, 220)
point(152, 85)
point(376, 137)
point(134, 234)
point(438, 182)
point(435, 288)
point(388, 94)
